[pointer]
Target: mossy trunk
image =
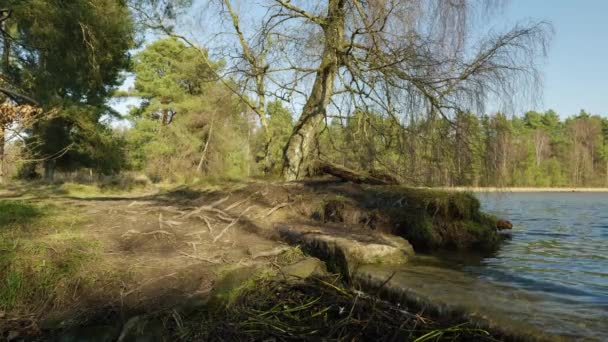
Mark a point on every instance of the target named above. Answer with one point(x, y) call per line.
point(304, 136)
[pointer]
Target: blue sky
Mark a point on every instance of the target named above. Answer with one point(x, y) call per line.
point(576, 71)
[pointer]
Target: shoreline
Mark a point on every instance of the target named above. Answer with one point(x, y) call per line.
point(522, 189)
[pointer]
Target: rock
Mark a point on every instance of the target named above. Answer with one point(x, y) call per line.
point(344, 251)
point(398, 242)
point(303, 269)
point(503, 224)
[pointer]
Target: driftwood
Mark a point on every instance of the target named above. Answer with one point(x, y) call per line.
point(375, 178)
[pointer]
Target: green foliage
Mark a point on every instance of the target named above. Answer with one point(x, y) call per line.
point(69, 56)
point(189, 125)
point(72, 50)
point(537, 149)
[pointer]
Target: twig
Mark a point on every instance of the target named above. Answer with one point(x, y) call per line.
point(277, 207)
point(193, 244)
point(231, 224)
point(234, 205)
point(226, 229)
point(224, 218)
point(199, 232)
point(220, 201)
point(172, 209)
point(204, 218)
point(134, 232)
point(163, 232)
point(273, 252)
point(199, 258)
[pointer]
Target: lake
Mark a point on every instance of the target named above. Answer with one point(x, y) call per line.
point(550, 277)
point(558, 254)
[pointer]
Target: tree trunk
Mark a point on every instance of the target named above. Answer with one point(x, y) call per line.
point(199, 168)
point(49, 170)
point(5, 68)
point(375, 177)
point(306, 130)
point(1, 154)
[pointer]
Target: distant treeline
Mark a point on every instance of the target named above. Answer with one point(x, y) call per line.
point(536, 149)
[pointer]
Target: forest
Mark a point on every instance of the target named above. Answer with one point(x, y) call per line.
point(201, 114)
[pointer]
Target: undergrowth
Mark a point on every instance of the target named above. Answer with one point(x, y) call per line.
point(317, 309)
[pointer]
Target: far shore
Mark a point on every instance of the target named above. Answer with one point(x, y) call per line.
point(522, 189)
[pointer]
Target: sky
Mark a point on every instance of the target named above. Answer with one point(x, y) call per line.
point(576, 71)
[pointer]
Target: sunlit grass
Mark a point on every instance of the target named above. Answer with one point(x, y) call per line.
point(44, 257)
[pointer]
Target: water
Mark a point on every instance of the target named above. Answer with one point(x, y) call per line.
point(558, 254)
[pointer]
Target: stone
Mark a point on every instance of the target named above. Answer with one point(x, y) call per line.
point(344, 251)
point(303, 269)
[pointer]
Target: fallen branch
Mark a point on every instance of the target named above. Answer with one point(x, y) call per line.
point(377, 178)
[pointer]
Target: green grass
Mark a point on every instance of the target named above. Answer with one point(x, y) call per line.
point(13, 212)
point(44, 257)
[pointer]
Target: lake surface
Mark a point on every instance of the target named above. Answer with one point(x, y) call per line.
point(558, 255)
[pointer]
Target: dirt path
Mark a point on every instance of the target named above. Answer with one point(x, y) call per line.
point(162, 251)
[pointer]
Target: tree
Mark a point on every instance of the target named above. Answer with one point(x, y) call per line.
point(65, 55)
point(169, 72)
point(398, 57)
point(189, 123)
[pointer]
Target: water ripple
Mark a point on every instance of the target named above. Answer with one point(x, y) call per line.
point(558, 250)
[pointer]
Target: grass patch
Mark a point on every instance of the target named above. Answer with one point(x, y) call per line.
point(44, 258)
point(12, 212)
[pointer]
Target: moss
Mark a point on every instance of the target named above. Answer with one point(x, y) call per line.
point(236, 280)
point(434, 219)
